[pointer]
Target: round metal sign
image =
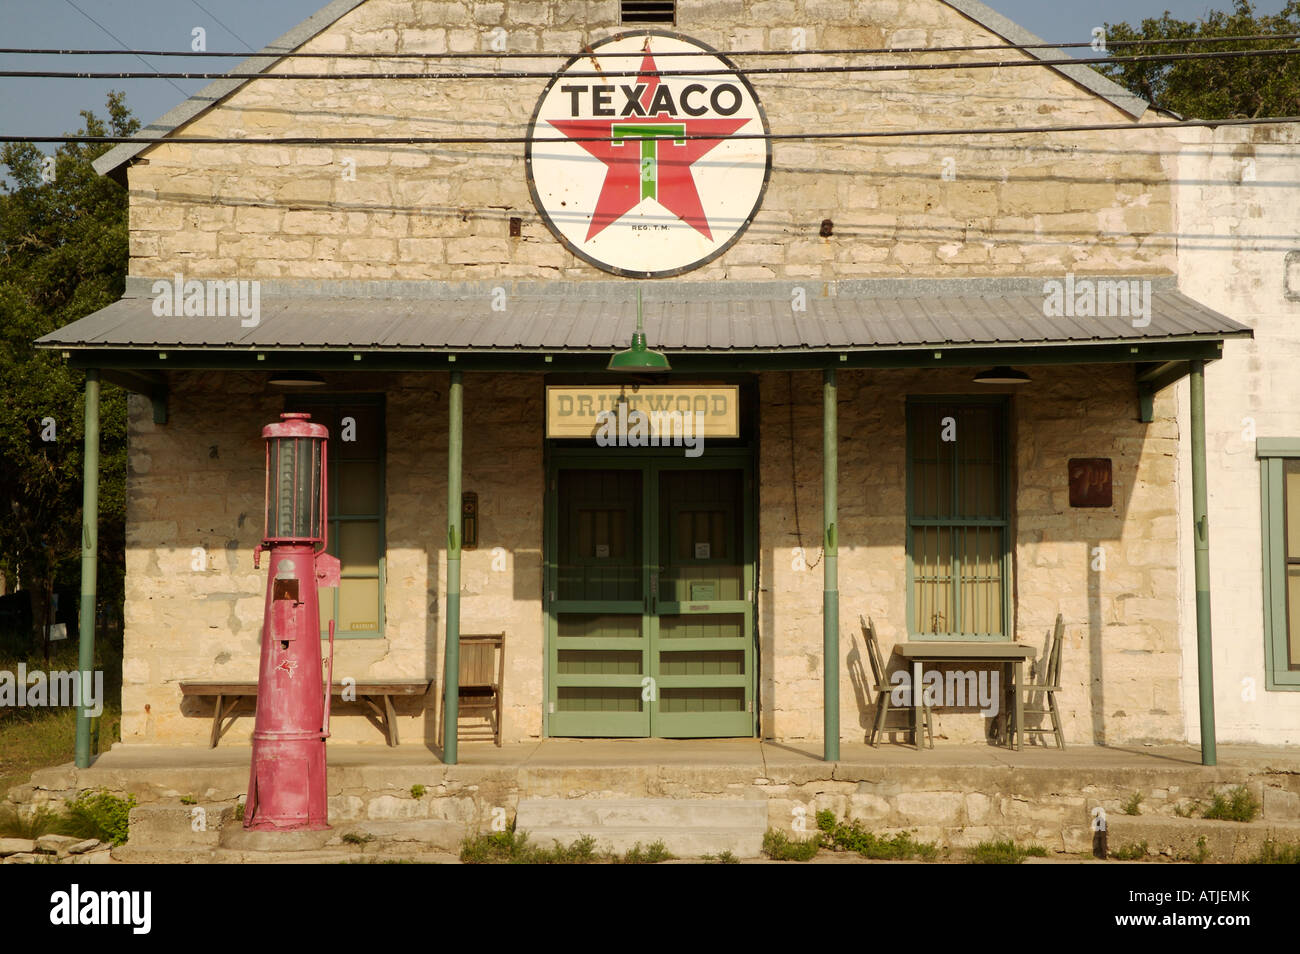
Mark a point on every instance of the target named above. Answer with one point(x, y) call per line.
point(643, 175)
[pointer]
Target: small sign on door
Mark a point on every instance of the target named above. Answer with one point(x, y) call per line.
point(701, 551)
point(602, 551)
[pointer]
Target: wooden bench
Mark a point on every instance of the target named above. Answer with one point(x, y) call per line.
point(377, 696)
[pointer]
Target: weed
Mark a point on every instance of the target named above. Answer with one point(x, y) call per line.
point(1239, 806)
point(1186, 811)
point(1134, 805)
point(1003, 853)
point(724, 858)
point(239, 812)
point(851, 836)
point(1198, 857)
point(779, 846)
point(31, 827)
point(418, 790)
point(1272, 853)
point(511, 847)
point(1132, 852)
point(189, 800)
point(358, 838)
point(98, 814)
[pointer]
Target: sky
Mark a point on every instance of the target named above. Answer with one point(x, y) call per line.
point(35, 107)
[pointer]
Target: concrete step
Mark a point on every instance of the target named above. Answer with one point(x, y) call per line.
point(1179, 838)
point(688, 828)
point(176, 826)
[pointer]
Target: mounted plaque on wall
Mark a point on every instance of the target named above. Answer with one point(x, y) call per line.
point(1090, 483)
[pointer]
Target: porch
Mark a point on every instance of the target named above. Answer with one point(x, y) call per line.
point(954, 795)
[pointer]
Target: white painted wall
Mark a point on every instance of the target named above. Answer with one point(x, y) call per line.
point(1237, 201)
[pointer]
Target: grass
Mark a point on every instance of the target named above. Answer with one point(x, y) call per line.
point(1003, 853)
point(98, 815)
point(852, 836)
point(1131, 852)
point(33, 738)
point(779, 846)
point(725, 858)
point(1273, 853)
point(1199, 856)
point(513, 848)
point(1185, 811)
point(1238, 805)
point(1134, 805)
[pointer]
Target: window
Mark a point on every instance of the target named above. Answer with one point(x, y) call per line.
point(957, 518)
point(356, 493)
point(1279, 460)
point(647, 11)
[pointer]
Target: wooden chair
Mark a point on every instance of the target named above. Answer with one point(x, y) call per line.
point(482, 674)
point(1040, 693)
point(883, 689)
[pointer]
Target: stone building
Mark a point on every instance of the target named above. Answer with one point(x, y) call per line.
point(987, 329)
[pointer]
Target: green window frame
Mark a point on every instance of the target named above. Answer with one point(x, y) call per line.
point(1279, 484)
point(355, 511)
point(958, 535)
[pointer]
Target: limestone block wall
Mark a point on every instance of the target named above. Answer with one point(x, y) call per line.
point(1237, 193)
point(197, 481)
point(1111, 572)
point(1040, 204)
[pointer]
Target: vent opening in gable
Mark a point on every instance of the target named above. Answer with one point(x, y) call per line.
point(647, 11)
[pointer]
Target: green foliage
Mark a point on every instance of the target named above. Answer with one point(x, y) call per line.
point(723, 858)
point(1003, 853)
point(779, 846)
point(1199, 856)
point(98, 814)
point(1239, 806)
point(1131, 852)
point(239, 812)
point(1186, 811)
point(1212, 88)
point(13, 825)
point(1273, 853)
point(852, 836)
point(358, 838)
point(63, 255)
point(418, 791)
point(1134, 805)
point(189, 800)
point(511, 847)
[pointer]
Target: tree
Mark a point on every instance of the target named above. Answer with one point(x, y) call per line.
point(63, 255)
point(1241, 87)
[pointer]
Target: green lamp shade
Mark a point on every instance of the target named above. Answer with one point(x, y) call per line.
point(639, 357)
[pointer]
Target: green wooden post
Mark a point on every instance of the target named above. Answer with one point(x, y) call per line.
point(1201, 538)
point(451, 678)
point(830, 564)
point(89, 561)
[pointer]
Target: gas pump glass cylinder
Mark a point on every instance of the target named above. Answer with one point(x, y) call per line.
point(293, 505)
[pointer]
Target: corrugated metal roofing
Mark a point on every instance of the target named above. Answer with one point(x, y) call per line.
point(585, 323)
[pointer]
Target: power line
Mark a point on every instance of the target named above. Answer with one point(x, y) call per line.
point(850, 51)
point(609, 74)
point(125, 48)
point(218, 22)
point(519, 140)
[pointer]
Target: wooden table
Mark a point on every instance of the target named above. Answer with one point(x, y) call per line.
point(367, 693)
point(923, 651)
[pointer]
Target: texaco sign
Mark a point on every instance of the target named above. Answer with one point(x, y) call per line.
point(616, 186)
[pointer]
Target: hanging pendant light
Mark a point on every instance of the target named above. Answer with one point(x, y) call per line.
point(639, 357)
point(1002, 375)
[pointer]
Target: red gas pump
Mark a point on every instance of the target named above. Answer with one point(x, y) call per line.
point(286, 784)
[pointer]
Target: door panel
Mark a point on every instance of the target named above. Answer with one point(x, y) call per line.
point(599, 651)
point(651, 612)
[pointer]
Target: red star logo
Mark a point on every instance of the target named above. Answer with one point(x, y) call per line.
point(630, 160)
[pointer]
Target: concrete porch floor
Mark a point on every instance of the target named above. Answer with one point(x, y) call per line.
point(754, 755)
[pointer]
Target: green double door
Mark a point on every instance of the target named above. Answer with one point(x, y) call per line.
point(650, 580)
